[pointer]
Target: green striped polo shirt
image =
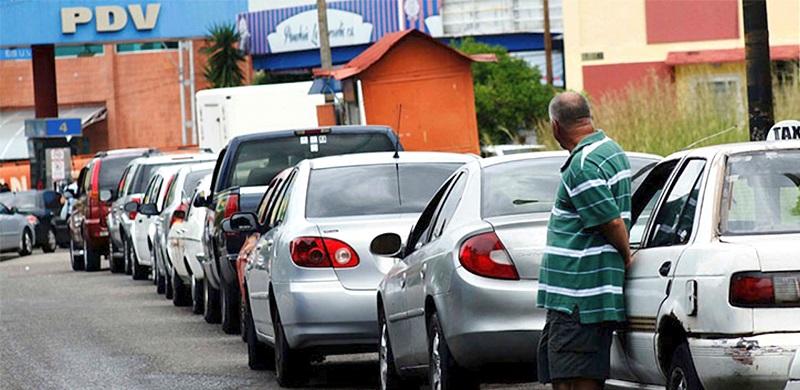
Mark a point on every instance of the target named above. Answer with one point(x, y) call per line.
point(580, 267)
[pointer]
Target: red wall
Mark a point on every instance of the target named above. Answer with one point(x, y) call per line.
point(600, 80)
point(691, 20)
point(424, 92)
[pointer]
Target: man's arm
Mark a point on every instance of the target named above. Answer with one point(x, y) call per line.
point(617, 234)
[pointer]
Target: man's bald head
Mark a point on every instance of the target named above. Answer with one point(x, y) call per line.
point(569, 109)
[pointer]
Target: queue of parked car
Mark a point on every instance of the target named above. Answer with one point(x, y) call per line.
point(331, 241)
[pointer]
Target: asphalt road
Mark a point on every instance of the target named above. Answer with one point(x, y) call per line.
point(61, 329)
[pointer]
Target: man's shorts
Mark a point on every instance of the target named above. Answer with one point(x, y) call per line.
point(571, 350)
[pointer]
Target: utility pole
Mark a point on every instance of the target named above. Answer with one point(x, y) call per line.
point(759, 72)
point(324, 41)
point(548, 42)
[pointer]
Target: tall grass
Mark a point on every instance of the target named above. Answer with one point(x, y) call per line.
point(657, 116)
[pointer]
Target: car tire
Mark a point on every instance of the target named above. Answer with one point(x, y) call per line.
point(229, 305)
point(25, 243)
point(682, 373)
point(244, 309)
point(197, 296)
point(390, 378)
point(181, 294)
point(50, 243)
point(443, 371)
point(210, 303)
point(76, 260)
point(291, 366)
point(169, 290)
point(138, 271)
point(92, 258)
point(127, 252)
point(259, 355)
point(116, 261)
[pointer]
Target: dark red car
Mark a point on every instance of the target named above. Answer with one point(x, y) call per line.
point(97, 184)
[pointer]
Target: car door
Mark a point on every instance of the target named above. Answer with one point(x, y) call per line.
point(433, 250)
point(142, 222)
point(649, 278)
point(258, 271)
point(397, 300)
point(7, 228)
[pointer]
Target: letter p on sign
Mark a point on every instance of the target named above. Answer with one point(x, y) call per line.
point(71, 17)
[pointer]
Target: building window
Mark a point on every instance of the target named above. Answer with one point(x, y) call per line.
point(786, 72)
point(724, 92)
point(146, 46)
point(78, 51)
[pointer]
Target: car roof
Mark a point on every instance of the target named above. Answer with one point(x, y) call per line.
point(739, 147)
point(165, 159)
point(199, 166)
point(489, 161)
point(294, 132)
point(125, 152)
point(389, 158)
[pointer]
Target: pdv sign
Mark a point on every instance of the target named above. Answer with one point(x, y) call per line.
point(110, 17)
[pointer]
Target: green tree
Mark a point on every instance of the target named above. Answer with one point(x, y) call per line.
point(222, 69)
point(509, 96)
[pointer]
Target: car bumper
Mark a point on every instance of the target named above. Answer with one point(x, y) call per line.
point(756, 362)
point(490, 322)
point(325, 314)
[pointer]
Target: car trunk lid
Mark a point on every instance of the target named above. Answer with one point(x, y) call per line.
point(358, 232)
point(524, 236)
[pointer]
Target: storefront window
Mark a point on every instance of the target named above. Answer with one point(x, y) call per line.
point(79, 51)
point(146, 46)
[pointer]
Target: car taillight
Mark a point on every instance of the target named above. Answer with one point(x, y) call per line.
point(231, 205)
point(758, 289)
point(179, 214)
point(32, 219)
point(132, 214)
point(485, 255)
point(318, 252)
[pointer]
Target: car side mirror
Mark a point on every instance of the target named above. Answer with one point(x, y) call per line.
point(148, 209)
point(200, 201)
point(14, 210)
point(106, 195)
point(240, 223)
point(131, 207)
point(387, 244)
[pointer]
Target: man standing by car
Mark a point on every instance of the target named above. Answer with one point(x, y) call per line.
point(583, 268)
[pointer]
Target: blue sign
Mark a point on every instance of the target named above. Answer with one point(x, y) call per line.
point(15, 54)
point(62, 127)
point(63, 22)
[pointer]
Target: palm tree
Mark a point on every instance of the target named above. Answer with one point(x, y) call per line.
point(222, 69)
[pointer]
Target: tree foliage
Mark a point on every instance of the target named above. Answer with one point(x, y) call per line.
point(509, 96)
point(222, 69)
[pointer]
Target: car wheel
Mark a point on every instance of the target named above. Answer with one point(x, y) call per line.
point(127, 252)
point(75, 258)
point(25, 243)
point(197, 296)
point(259, 355)
point(290, 366)
point(116, 261)
point(181, 295)
point(443, 371)
point(138, 271)
point(92, 258)
point(390, 376)
point(50, 243)
point(230, 309)
point(210, 303)
point(682, 374)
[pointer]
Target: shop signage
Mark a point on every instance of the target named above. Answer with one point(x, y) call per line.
point(53, 127)
point(301, 32)
point(110, 18)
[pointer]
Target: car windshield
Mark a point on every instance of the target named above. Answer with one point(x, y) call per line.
point(257, 162)
point(520, 187)
point(111, 171)
point(392, 189)
point(762, 193)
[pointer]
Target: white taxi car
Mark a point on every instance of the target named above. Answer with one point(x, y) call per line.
point(713, 295)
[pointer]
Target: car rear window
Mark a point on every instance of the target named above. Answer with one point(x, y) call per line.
point(193, 180)
point(520, 187)
point(111, 171)
point(762, 193)
point(146, 171)
point(257, 162)
point(392, 189)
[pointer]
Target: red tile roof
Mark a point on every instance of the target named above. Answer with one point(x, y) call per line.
point(787, 52)
point(379, 49)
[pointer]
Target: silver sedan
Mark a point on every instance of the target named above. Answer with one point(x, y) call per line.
point(463, 297)
point(17, 231)
point(311, 284)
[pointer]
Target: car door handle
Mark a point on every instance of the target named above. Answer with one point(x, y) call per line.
point(269, 243)
point(422, 271)
point(664, 269)
point(403, 281)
